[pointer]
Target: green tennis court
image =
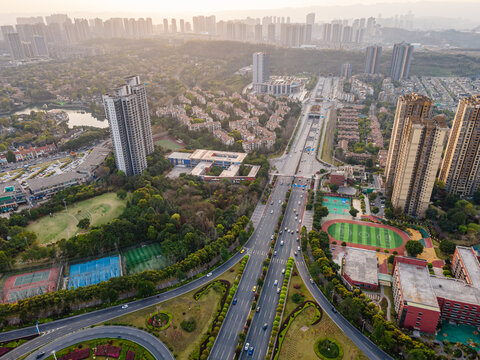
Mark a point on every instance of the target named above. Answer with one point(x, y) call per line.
point(145, 257)
point(339, 206)
point(365, 235)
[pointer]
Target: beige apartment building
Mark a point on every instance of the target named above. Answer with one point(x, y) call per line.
point(407, 105)
point(461, 164)
point(418, 159)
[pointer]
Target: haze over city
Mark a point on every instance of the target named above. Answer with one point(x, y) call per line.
point(240, 180)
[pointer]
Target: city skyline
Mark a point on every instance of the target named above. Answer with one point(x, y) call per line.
point(325, 11)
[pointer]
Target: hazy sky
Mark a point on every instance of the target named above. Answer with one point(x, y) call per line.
point(47, 6)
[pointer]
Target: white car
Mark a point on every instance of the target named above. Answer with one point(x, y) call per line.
point(271, 211)
point(278, 290)
point(247, 345)
point(298, 248)
point(209, 274)
point(271, 237)
point(283, 271)
point(275, 283)
point(281, 243)
point(125, 306)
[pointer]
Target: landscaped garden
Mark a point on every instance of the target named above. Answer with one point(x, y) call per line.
point(305, 329)
point(328, 349)
point(101, 349)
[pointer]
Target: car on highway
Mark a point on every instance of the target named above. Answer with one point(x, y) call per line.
point(40, 355)
point(298, 248)
point(275, 253)
point(283, 271)
point(271, 211)
point(275, 283)
point(278, 290)
point(291, 232)
point(258, 309)
point(247, 345)
point(250, 351)
point(265, 326)
point(254, 288)
point(271, 203)
point(295, 253)
point(271, 237)
point(234, 302)
point(281, 243)
point(280, 232)
point(334, 309)
point(311, 280)
point(286, 229)
point(298, 239)
point(242, 251)
point(279, 201)
point(209, 274)
point(125, 306)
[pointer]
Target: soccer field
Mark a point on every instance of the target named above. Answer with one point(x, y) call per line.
point(365, 235)
point(146, 257)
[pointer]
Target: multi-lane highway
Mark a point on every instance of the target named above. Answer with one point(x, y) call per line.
point(258, 248)
point(260, 328)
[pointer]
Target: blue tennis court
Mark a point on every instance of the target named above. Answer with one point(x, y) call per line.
point(336, 205)
point(94, 272)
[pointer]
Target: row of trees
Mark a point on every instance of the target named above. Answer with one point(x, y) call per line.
point(62, 302)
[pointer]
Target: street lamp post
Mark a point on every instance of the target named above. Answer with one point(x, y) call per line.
point(53, 353)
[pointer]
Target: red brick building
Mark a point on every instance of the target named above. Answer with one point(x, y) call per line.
point(422, 300)
point(415, 301)
point(337, 178)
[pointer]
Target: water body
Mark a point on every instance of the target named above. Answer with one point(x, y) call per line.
point(75, 117)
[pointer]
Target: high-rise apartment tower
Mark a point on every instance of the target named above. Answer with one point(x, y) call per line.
point(130, 129)
point(261, 69)
point(461, 163)
point(372, 59)
point(413, 166)
point(401, 57)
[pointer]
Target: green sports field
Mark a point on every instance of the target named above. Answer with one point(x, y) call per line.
point(99, 209)
point(365, 235)
point(168, 144)
point(145, 257)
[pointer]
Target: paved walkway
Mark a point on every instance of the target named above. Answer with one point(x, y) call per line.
point(149, 342)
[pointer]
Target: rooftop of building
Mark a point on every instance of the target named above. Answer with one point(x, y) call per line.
point(361, 265)
point(470, 261)
point(179, 155)
point(415, 285)
point(455, 290)
point(36, 184)
point(212, 155)
point(10, 187)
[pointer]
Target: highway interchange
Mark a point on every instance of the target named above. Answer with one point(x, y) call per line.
point(257, 247)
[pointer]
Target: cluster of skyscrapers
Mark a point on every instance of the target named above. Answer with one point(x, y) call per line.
point(34, 36)
point(415, 152)
point(127, 112)
point(400, 65)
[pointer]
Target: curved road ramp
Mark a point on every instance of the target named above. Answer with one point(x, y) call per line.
point(148, 341)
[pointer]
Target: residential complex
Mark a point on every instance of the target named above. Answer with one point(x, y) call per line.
point(228, 116)
point(407, 105)
point(422, 300)
point(460, 169)
point(401, 57)
point(130, 129)
point(372, 59)
point(418, 159)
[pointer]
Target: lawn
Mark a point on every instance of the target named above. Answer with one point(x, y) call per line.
point(184, 307)
point(168, 144)
point(126, 345)
point(365, 235)
point(100, 209)
point(145, 257)
point(301, 336)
